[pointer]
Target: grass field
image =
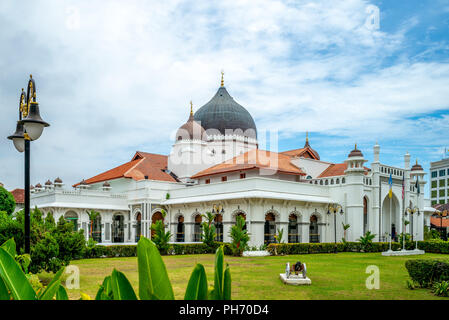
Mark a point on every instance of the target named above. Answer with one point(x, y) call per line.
point(334, 276)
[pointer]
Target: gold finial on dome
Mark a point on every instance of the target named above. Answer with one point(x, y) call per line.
point(222, 80)
point(355, 148)
point(191, 108)
point(416, 160)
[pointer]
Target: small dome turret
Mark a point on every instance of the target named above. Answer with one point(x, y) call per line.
point(191, 130)
point(417, 167)
point(355, 153)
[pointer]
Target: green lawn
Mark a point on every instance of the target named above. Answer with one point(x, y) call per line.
point(334, 276)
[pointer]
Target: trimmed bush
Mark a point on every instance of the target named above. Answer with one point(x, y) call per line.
point(101, 251)
point(425, 272)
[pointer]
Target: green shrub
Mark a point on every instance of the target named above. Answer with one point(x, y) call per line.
point(161, 237)
point(239, 237)
point(7, 201)
point(410, 284)
point(52, 245)
point(208, 229)
point(425, 272)
point(441, 288)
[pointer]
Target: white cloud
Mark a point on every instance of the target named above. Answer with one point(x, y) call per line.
point(121, 77)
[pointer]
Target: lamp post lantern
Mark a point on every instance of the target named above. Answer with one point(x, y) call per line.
point(29, 128)
point(334, 208)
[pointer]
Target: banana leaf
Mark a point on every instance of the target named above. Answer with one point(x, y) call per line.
point(4, 293)
point(154, 283)
point(14, 278)
point(197, 286)
point(121, 287)
point(61, 294)
point(53, 286)
point(10, 247)
point(219, 275)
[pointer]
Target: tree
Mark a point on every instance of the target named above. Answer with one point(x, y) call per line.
point(278, 236)
point(209, 230)
point(345, 227)
point(239, 237)
point(367, 241)
point(93, 215)
point(7, 201)
point(161, 237)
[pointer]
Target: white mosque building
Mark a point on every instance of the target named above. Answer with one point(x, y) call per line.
point(216, 166)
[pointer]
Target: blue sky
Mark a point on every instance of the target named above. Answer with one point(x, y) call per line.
point(117, 77)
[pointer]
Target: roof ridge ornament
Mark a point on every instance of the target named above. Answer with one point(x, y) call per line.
point(222, 80)
point(191, 108)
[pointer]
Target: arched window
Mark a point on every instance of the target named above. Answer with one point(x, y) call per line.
point(197, 232)
point(180, 230)
point(293, 236)
point(343, 180)
point(95, 228)
point(338, 181)
point(314, 232)
point(270, 228)
point(332, 181)
point(156, 217)
point(218, 222)
point(365, 215)
point(326, 182)
point(118, 228)
point(243, 215)
point(72, 217)
point(138, 226)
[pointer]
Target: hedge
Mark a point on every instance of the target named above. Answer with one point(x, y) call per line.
point(101, 251)
point(426, 271)
point(431, 246)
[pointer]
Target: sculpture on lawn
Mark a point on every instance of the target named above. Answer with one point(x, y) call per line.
point(296, 269)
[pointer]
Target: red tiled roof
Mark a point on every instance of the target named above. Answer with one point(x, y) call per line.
point(142, 164)
point(306, 152)
point(436, 221)
point(337, 169)
point(254, 159)
point(19, 195)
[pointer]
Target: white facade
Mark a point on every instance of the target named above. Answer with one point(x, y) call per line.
point(298, 204)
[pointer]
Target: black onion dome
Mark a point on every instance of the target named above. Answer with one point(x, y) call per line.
point(223, 113)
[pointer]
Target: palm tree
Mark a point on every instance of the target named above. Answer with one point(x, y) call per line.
point(345, 227)
point(93, 215)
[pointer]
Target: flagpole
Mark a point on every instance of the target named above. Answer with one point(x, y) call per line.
point(390, 224)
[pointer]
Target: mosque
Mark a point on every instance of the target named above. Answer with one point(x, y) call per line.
point(215, 165)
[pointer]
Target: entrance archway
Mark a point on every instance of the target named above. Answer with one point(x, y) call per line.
point(218, 223)
point(118, 228)
point(390, 227)
point(293, 236)
point(270, 228)
point(314, 231)
point(72, 217)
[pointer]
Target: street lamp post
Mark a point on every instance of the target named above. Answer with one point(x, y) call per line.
point(29, 128)
point(334, 209)
point(411, 211)
point(442, 214)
